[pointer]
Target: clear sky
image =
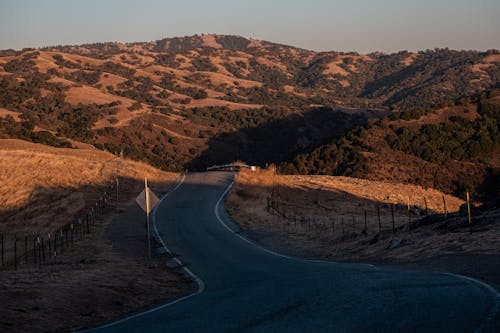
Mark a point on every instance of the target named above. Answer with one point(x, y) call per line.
point(343, 25)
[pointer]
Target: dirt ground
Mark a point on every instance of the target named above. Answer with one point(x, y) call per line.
point(103, 276)
point(314, 215)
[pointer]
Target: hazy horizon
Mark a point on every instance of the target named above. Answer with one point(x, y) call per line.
point(362, 26)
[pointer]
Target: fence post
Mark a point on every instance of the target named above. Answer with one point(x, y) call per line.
point(72, 240)
point(34, 250)
point(3, 252)
point(379, 222)
point(409, 214)
point(88, 226)
point(26, 249)
point(445, 210)
point(43, 250)
point(81, 228)
point(426, 208)
point(366, 225)
point(62, 240)
point(116, 178)
point(393, 222)
point(39, 243)
point(50, 247)
point(468, 212)
point(15, 252)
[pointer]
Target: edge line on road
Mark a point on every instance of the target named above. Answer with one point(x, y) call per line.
point(201, 284)
point(496, 295)
point(217, 215)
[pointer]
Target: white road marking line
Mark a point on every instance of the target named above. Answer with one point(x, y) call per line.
point(216, 210)
point(496, 295)
point(201, 284)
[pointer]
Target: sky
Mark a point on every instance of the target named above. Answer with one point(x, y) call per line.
point(322, 25)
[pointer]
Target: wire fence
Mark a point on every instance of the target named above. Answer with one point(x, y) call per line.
point(384, 219)
point(39, 250)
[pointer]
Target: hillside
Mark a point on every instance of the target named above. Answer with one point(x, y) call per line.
point(100, 275)
point(71, 180)
point(190, 102)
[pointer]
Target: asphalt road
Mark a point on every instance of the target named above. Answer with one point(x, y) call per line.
point(244, 287)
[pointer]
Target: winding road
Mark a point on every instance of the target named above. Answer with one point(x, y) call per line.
point(244, 287)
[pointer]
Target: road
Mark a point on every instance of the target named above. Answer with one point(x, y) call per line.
point(244, 287)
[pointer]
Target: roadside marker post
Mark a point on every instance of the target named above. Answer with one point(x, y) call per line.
point(147, 200)
point(147, 216)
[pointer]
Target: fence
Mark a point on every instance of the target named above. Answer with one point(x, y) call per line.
point(38, 250)
point(351, 225)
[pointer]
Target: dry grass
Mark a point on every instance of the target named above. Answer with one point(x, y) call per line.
point(32, 176)
point(99, 278)
point(324, 199)
point(218, 102)
point(91, 283)
point(4, 113)
point(90, 95)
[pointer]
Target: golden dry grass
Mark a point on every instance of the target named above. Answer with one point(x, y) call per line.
point(218, 102)
point(42, 188)
point(324, 200)
point(4, 113)
point(98, 278)
point(90, 95)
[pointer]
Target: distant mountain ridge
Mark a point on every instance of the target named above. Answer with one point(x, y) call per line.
point(191, 101)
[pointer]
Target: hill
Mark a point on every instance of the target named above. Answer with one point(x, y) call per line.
point(100, 275)
point(192, 101)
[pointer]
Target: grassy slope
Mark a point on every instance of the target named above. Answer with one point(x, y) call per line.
point(325, 199)
point(105, 275)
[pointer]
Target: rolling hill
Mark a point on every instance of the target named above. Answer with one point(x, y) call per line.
point(189, 102)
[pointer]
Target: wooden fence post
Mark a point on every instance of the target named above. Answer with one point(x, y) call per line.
point(39, 243)
point(445, 210)
point(468, 212)
point(43, 250)
point(62, 240)
point(393, 222)
point(366, 225)
point(3, 252)
point(26, 249)
point(15, 252)
point(50, 247)
point(426, 208)
point(34, 250)
point(379, 222)
point(409, 214)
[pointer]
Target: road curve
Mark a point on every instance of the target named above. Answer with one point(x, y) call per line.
point(243, 287)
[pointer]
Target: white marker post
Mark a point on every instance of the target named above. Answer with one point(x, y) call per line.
point(147, 200)
point(147, 215)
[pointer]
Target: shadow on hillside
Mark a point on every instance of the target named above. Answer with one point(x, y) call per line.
point(278, 140)
point(50, 208)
